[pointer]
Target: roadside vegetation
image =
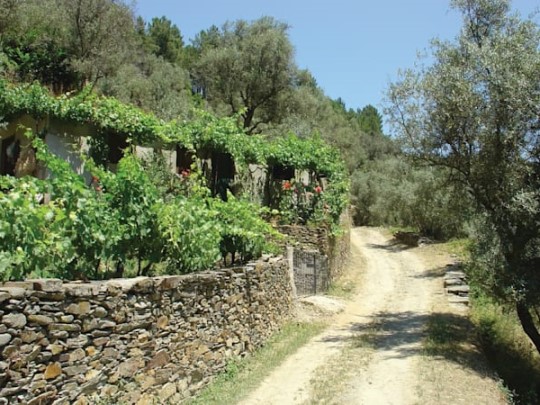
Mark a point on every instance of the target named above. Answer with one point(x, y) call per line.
point(507, 349)
point(494, 328)
point(471, 116)
point(242, 376)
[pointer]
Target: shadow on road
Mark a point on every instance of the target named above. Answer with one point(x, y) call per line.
point(392, 247)
point(431, 273)
point(404, 334)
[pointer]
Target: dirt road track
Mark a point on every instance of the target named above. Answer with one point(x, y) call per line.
point(399, 289)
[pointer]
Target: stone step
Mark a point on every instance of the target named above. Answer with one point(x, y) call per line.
point(456, 299)
point(455, 274)
point(453, 282)
point(456, 289)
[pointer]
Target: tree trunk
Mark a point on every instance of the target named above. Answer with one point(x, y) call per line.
point(248, 119)
point(119, 270)
point(96, 269)
point(528, 325)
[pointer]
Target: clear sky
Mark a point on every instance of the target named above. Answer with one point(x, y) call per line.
point(352, 47)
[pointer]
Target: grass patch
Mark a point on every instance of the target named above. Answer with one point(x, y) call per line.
point(343, 288)
point(349, 281)
point(244, 375)
point(454, 337)
point(498, 331)
point(445, 333)
point(459, 247)
point(508, 349)
point(393, 229)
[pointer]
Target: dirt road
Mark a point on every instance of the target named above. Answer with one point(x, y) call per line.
point(373, 352)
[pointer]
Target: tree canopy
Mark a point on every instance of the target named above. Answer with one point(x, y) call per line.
point(166, 39)
point(246, 68)
point(474, 111)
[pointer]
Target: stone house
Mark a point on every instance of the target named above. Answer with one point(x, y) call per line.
point(70, 139)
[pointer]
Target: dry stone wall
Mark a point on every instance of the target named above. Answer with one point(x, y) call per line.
point(306, 238)
point(318, 256)
point(339, 247)
point(134, 341)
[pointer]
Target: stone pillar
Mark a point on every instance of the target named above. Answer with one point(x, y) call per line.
point(290, 260)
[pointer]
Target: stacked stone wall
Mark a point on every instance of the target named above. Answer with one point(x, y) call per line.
point(306, 238)
point(339, 247)
point(134, 341)
point(319, 257)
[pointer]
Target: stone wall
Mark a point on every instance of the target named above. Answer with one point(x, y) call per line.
point(134, 340)
point(339, 247)
point(306, 238)
point(319, 257)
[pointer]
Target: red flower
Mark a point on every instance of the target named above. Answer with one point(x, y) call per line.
point(185, 173)
point(287, 185)
point(95, 179)
point(318, 189)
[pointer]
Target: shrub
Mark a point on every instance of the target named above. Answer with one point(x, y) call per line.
point(242, 229)
point(189, 234)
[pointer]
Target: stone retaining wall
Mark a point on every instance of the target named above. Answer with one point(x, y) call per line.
point(339, 247)
point(319, 257)
point(134, 340)
point(305, 237)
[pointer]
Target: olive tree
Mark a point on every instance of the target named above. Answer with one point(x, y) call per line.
point(476, 111)
point(246, 68)
point(152, 84)
point(100, 35)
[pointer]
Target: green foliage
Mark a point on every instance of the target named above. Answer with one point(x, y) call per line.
point(245, 68)
point(45, 61)
point(311, 154)
point(31, 43)
point(99, 35)
point(507, 349)
point(370, 120)
point(168, 183)
point(189, 233)
point(242, 229)
point(314, 156)
point(474, 112)
point(124, 220)
point(67, 43)
point(393, 192)
point(300, 203)
point(28, 230)
point(66, 237)
point(490, 270)
point(129, 216)
point(222, 134)
point(165, 39)
point(151, 84)
point(87, 220)
point(133, 197)
point(203, 132)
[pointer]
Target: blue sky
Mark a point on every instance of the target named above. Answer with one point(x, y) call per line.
point(352, 47)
